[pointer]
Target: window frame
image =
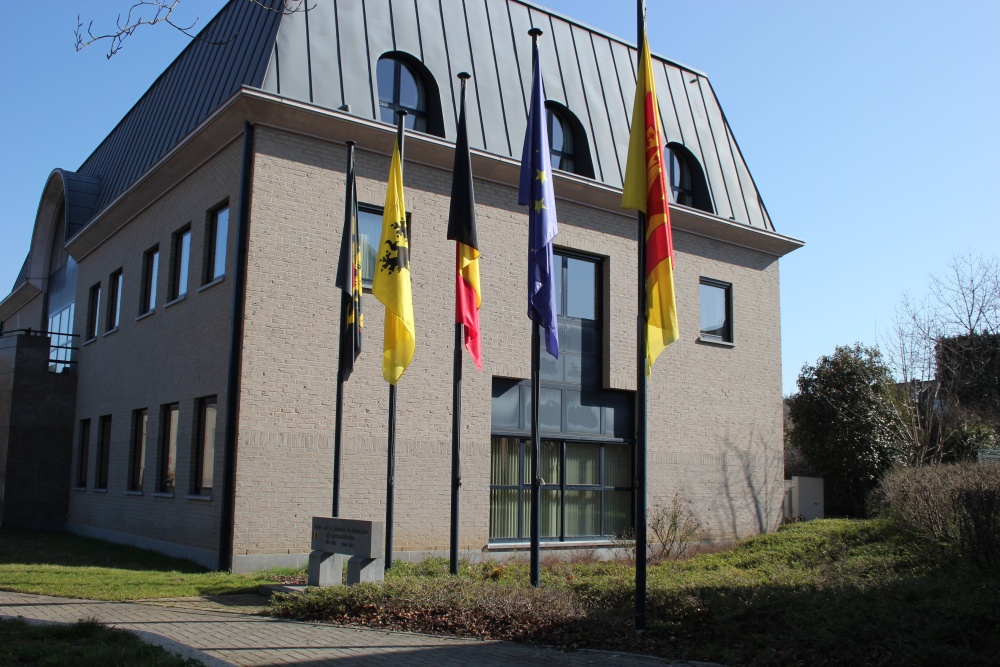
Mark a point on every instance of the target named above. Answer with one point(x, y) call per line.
point(180, 254)
point(150, 276)
point(200, 454)
point(114, 307)
point(93, 312)
point(166, 453)
point(103, 468)
point(212, 271)
point(83, 455)
point(137, 449)
point(728, 337)
point(420, 116)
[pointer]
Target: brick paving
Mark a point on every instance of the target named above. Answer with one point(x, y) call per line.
point(198, 627)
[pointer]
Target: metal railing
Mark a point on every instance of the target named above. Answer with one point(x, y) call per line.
point(57, 364)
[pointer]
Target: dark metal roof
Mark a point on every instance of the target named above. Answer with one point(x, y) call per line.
point(231, 51)
point(328, 56)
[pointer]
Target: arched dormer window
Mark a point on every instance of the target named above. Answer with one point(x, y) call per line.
point(404, 83)
point(568, 144)
point(687, 182)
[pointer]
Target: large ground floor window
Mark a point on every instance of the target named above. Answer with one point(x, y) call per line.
point(586, 489)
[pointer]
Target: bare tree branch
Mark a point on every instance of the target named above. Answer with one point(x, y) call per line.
point(153, 12)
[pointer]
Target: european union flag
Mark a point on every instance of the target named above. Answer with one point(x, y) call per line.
point(536, 191)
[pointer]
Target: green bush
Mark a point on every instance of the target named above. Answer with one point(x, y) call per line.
point(954, 507)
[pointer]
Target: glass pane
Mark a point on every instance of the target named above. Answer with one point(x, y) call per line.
point(168, 455)
point(410, 94)
point(583, 513)
point(387, 114)
point(551, 511)
point(558, 263)
point(618, 414)
point(504, 461)
point(182, 267)
point(570, 335)
point(618, 466)
point(221, 234)
point(551, 456)
point(549, 410)
point(583, 412)
point(505, 413)
point(385, 75)
point(713, 311)
point(581, 281)
point(208, 446)
point(583, 464)
point(503, 514)
point(369, 231)
point(617, 512)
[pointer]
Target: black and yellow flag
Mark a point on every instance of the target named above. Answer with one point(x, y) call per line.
point(391, 284)
point(349, 279)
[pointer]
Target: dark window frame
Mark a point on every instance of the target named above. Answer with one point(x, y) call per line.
point(114, 307)
point(93, 312)
point(728, 336)
point(102, 473)
point(83, 455)
point(166, 455)
point(137, 449)
point(150, 277)
point(178, 253)
point(212, 271)
point(198, 454)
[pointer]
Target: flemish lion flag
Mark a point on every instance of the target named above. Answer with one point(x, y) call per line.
point(349, 281)
point(391, 284)
point(645, 190)
point(462, 230)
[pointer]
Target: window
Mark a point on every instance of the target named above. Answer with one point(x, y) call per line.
point(215, 247)
point(369, 234)
point(103, 452)
point(83, 454)
point(568, 146)
point(577, 293)
point(180, 260)
point(114, 300)
point(150, 272)
point(169, 419)
point(586, 489)
point(137, 449)
point(400, 88)
point(93, 310)
point(204, 447)
point(687, 182)
point(61, 308)
point(716, 311)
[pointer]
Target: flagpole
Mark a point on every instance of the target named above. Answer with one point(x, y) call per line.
point(390, 468)
point(456, 405)
point(640, 399)
point(536, 486)
point(339, 419)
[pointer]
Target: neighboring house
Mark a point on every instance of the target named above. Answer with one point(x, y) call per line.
point(193, 257)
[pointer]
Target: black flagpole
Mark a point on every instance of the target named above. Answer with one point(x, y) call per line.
point(456, 409)
point(339, 419)
point(536, 485)
point(390, 467)
point(640, 402)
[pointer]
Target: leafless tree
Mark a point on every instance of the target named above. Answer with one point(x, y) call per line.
point(154, 12)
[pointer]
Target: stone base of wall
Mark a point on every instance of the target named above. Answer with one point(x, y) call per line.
point(204, 557)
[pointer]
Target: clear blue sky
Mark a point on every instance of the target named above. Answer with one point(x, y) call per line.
point(870, 128)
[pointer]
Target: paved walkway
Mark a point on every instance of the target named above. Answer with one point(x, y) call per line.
point(199, 628)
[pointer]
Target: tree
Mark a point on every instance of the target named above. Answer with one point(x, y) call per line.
point(845, 424)
point(945, 351)
point(156, 12)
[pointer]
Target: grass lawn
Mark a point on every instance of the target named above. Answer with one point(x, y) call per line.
point(83, 643)
point(66, 565)
point(828, 592)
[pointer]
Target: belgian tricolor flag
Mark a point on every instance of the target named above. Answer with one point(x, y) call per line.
point(462, 229)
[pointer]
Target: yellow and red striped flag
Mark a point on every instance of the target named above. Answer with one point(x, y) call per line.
point(645, 190)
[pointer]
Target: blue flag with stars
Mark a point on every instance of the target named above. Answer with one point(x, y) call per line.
point(536, 191)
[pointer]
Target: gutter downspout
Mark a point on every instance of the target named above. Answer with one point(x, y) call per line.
point(228, 519)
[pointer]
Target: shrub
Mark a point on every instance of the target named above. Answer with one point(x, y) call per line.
point(675, 528)
point(955, 507)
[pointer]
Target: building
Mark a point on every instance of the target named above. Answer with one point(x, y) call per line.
point(185, 276)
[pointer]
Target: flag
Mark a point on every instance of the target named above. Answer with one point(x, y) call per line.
point(349, 280)
point(462, 230)
point(536, 191)
point(391, 284)
point(645, 190)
